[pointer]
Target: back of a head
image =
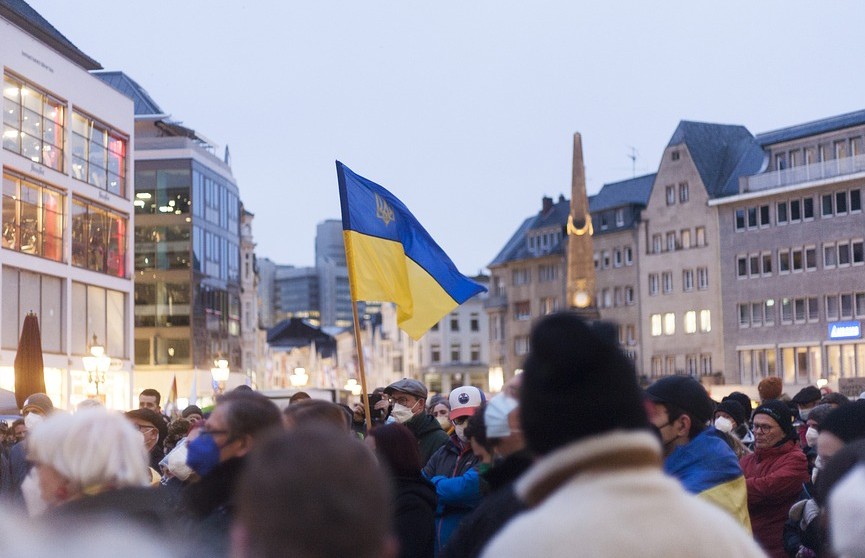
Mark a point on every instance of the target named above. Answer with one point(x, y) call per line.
point(317, 411)
point(312, 493)
point(398, 446)
point(577, 383)
point(249, 412)
point(847, 422)
point(92, 448)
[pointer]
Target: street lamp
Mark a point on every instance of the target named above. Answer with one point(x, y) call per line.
point(220, 373)
point(96, 364)
point(299, 378)
point(353, 386)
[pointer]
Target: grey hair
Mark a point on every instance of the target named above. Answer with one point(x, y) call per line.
point(93, 447)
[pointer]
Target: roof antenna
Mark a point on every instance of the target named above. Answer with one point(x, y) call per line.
point(633, 158)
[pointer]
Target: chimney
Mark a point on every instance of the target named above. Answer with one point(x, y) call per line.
point(547, 204)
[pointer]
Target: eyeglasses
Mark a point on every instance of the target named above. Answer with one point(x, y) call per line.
point(762, 428)
point(404, 401)
point(145, 427)
point(460, 420)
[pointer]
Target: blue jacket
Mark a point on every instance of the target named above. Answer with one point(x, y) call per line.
point(708, 467)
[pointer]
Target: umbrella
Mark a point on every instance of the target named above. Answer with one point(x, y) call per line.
point(29, 371)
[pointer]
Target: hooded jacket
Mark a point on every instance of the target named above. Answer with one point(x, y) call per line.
point(430, 436)
point(774, 477)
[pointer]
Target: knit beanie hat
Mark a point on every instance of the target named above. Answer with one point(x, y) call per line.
point(39, 403)
point(846, 422)
point(733, 409)
point(576, 383)
point(770, 388)
point(684, 392)
point(742, 399)
point(779, 412)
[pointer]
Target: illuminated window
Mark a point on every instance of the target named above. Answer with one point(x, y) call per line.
point(669, 323)
point(99, 238)
point(98, 154)
point(33, 123)
point(32, 218)
point(657, 330)
point(705, 321)
point(691, 321)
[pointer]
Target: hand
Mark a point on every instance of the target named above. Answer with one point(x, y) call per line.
point(358, 415)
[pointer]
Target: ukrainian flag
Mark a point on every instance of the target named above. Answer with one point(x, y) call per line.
point(391, 258)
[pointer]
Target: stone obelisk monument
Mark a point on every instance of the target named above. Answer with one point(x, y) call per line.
point(581, 265)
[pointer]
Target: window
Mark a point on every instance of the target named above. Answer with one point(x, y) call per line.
point(98, 154)
point(769, 312)
point(653, 284)
point(629, 255)
point(620, 217)
point(808, 208)
point(810, 258)
point(783, 261)
point(705, 364)
point(846, 300)
point(756, 313)
point(475, 354)
point(752, 217)
point(843, 254)
point(657, 366)
point(740, 219)
point(475, 322)
point(857, 250)
point(795, 211)
point(688, 280)
point(629, 295)
point(521, 276)
point(33, 217)
point(826, 205)
point(840, 203)
point(813, 312)
point(796, 258)
point(831, 307)
point(685, 235)
point(671, 194)
point(435, 353)
point(549, 305)
point(604, 224)
point(742, 266)
point(859, 298)
point(657, 330)
point(829, 255)
point(522, 310)
point(855, 201)
point(33, 123)
point(764, 216)
point(617, 257)
point(691, 365)
point(606, 298)
point(631, 334)
point(744, 315)
point(657, 243)
point(786, 311)
point(671, 241)
point(684, 192)
point(691, 321)
point(521, 345)
point(605, 256)
point(455, 322)
point(799, 309)
point(547, 273)
point(617, 296)
point(455, 352)
point(99, 239)
point(674, 156)
point(781, 213)
point(667, 279)
point(670, 364)
point(702, 278)
point(701, 236)
point(705, 321)
point(669, 323)
point(754, 265)
point(766, 263)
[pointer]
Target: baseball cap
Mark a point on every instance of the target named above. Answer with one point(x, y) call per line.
point(685, 393)
point(465, 400)
point(409, 386)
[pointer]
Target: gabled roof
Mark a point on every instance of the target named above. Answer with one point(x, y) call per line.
point(296, 333)
point(28, 20)
point(721, 152)
point(517, 249)
point(144, 103)
point(821, 126)
point(625, 192)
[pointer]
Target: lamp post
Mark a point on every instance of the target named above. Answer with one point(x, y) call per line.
point(220, 373)
point(96, 364)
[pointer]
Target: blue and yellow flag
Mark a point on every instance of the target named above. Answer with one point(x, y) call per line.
point(391, 258)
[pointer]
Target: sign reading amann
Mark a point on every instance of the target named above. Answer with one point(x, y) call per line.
point(845, 330)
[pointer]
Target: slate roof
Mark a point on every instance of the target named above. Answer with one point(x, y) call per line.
point(625, 192)
point(144, 104)
point(296, 333)
point(517, 249)
point(23, 16)
point(721, 152)
point(821, 126)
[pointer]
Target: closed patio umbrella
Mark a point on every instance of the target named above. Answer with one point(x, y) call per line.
point(29, 370)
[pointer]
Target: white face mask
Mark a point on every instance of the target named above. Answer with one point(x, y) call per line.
point(32, 419)
point(811, 437)
point(724, 424)
point(33, 494)
point(401, 413)
point(460, 430)
point(175, 461)
point(444, 422)
point(818, 464)
point(803, 413)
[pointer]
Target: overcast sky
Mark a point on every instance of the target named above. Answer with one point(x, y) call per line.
point(464, 110)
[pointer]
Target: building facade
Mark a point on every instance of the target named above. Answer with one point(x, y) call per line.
point(67, 214)
point(792, 257)
point(187, 254)
point(253, 361)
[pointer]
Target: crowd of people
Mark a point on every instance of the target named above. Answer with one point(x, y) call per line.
point(572, 458)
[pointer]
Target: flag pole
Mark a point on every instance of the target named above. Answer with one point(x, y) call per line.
point(357, 336)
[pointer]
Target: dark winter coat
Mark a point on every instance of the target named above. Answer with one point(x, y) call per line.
point(208, 505)
point(430, 436)
point(774, 478)
point(414, 515)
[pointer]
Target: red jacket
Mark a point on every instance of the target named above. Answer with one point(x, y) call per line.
point(774, 478)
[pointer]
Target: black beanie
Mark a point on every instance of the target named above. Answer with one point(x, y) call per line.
point(742, 399)
point(734, 409)
point(847, 422)
point(779, 412)
point(576, 383)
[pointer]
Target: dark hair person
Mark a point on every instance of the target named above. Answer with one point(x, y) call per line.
point(415, 498)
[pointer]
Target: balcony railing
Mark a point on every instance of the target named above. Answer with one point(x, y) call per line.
point(803, 173)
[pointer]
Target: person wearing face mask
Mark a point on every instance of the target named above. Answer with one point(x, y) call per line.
point(453, 469)
point(728, 418)
point(408, 397)
point(807, 398)
point(698, 455)
point(35, 410)
point(439, 408)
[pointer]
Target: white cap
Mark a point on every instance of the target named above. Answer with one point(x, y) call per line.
point(465, 400)
point(496, 415)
